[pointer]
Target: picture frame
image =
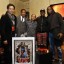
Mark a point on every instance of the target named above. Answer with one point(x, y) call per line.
point(23, 50)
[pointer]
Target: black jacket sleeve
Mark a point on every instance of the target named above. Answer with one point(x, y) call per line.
point(61, 23)
point(0, 27)
point(3, 20)
point(15, 24)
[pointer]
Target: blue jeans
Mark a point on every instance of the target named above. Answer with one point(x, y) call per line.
point(55, 42)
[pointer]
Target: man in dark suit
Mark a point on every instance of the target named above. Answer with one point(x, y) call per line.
point(9, 28)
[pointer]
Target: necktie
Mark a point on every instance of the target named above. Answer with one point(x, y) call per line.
point(22, 19)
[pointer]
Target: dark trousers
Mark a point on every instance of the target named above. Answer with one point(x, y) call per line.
point(44, 58)
point(8, 54)
point(8, 51)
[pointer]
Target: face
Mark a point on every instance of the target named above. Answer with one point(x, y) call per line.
point(42, 13)
point(23, 13)
point(11, 10)
point(33, 17)
point(49, 10)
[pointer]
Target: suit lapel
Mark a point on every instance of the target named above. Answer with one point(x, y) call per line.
point(9, 20)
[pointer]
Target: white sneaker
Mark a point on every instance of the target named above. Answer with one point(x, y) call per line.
point(60, 61)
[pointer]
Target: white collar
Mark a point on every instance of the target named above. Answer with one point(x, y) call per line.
point(22, 19)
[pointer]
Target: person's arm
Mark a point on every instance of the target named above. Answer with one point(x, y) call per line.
point(37, 19)
point(61, 23)
point(26, 24)
point(17, 21)
point(0, 29)
point(15, 26)
point(3, 20)
point(46, 25)
point(60, 20)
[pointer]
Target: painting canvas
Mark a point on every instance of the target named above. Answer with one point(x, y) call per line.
point(23, 50)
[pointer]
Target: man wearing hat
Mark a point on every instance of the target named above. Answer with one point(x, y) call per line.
point(42, 29)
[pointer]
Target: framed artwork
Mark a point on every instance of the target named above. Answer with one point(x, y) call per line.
point(59, 8)
point(23, 50)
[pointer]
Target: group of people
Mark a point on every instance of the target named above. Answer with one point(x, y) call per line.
point(46, 30)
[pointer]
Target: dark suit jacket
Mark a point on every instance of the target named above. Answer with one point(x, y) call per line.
point(7, 27)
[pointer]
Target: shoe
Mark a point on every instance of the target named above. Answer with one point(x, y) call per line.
point(60, 61)
point(53, 60)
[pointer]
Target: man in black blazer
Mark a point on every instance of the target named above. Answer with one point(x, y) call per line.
point(9, 29)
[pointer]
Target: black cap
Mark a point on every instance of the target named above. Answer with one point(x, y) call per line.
point(42, 10)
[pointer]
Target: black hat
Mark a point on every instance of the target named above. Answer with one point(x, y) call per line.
point(42, 10)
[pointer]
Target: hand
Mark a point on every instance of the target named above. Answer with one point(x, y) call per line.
point(25, 33)
point(1, 50)
point(60, 35)
point(0, 36)
point(15, 35)
point(22, 35)
point(5, 42)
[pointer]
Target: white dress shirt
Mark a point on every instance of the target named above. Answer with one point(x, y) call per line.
point(22, 19)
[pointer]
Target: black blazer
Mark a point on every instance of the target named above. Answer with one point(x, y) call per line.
point(7, 26)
